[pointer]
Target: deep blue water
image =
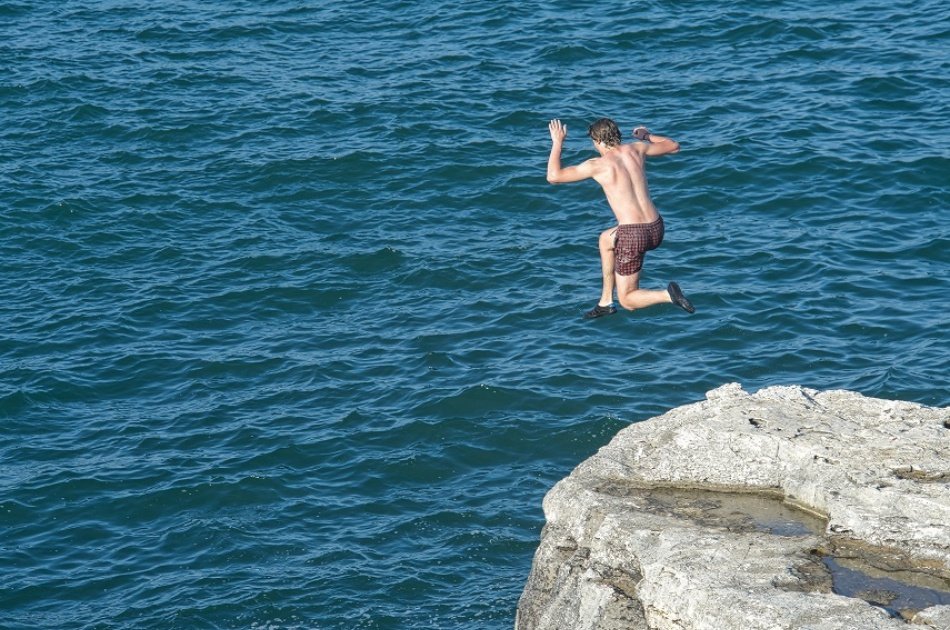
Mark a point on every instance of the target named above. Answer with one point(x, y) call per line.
point(292, 330)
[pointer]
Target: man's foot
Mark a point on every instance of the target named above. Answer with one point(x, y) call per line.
point(678, 298)
point(600, 311)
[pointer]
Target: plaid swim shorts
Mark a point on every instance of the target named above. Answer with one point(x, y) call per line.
point(632, 241)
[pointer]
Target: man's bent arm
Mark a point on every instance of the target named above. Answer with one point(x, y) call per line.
point(661, 145)
point(554, 160)
point(557, 174)
point(656, 144)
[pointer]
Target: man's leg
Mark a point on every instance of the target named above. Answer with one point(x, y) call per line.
point(607, 261)
point(632, 297)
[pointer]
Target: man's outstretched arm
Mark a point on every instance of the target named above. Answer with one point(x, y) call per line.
point(557, 174)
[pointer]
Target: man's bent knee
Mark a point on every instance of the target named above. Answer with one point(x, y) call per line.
point(626, 303)
point(627, 286)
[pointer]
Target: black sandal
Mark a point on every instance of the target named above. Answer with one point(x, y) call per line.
point(600, 311)
point(676, 294)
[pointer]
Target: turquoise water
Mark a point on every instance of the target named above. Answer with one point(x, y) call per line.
point(292, 330)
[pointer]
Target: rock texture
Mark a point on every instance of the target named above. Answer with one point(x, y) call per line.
point(625, 546)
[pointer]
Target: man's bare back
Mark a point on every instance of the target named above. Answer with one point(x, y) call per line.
point(621, 174)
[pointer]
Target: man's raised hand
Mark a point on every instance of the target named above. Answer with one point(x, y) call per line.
point(558, 130)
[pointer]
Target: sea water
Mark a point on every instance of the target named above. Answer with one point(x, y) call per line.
point(292, 328)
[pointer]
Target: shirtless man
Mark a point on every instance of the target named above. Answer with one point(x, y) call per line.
point(620, 172)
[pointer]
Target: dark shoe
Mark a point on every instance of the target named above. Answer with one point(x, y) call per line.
point(679, 299)
point(600, 311)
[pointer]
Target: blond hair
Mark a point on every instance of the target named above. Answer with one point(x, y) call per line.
point(604, 130)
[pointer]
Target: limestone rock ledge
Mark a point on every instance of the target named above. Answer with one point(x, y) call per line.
point(683, 522)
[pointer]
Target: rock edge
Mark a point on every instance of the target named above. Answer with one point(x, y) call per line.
point(877, 471)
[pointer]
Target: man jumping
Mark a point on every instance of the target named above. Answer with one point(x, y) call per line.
point(620, 172)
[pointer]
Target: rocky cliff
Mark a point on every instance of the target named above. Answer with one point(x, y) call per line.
point(787, 508)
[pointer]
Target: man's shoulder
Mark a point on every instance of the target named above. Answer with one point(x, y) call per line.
point(635, 147)
point(594, 163)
